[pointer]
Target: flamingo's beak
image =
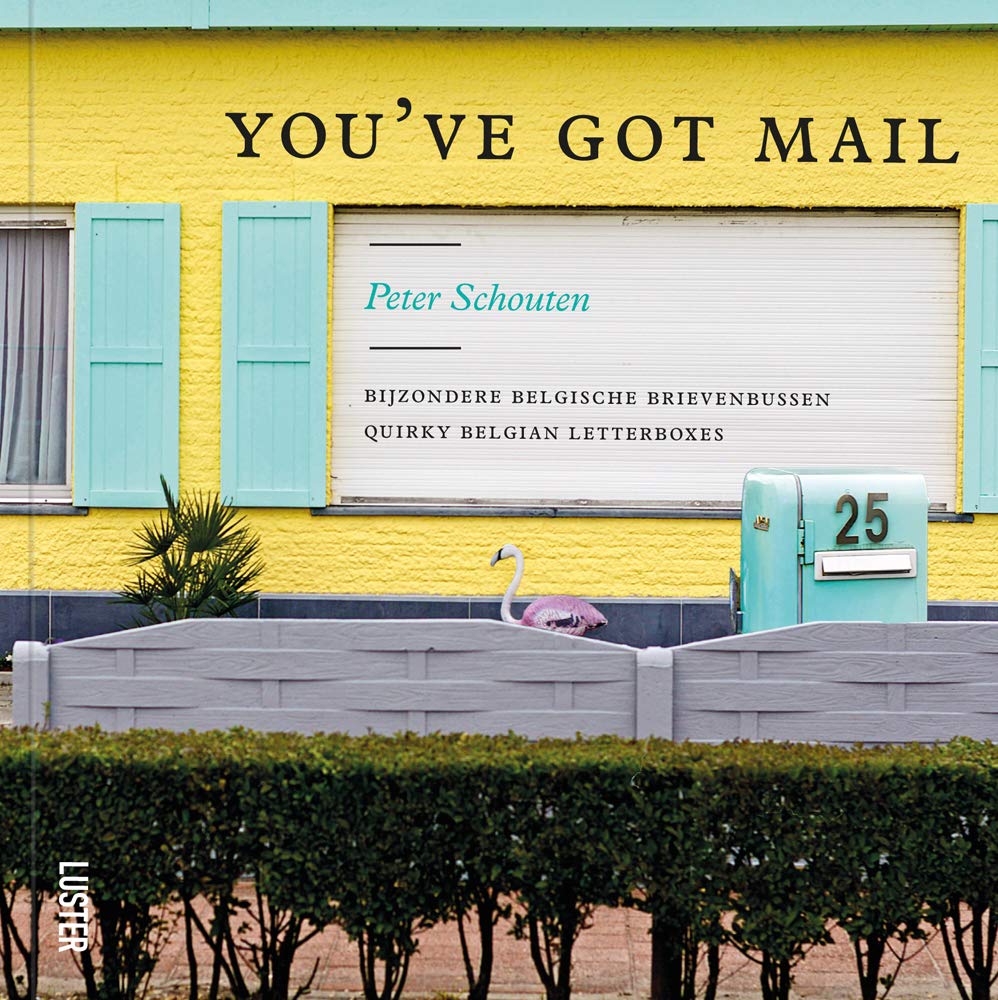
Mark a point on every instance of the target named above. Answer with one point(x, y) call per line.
point(496, 558)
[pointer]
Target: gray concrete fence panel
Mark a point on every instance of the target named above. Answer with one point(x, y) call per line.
point(836, 682)
point(351, 676)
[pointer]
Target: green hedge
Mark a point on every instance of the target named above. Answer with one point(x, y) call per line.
point(765, 847)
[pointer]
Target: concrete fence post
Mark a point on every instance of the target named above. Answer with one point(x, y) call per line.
point(654, 708)
point(31, 684)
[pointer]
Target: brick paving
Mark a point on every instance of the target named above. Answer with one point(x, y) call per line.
point(612, 961)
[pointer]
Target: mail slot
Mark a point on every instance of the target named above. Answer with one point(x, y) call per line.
point(865, 565)
point(831, 544)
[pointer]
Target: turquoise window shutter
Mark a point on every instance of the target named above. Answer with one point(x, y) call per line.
point(980, 379)
point(127, 344)
point(274, 294)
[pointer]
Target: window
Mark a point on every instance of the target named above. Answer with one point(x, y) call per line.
point(35, 336)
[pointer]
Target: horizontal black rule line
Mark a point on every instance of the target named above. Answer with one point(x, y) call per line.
point(419, 348)
point(413, 244)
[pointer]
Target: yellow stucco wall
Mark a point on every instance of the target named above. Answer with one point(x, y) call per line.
point(109, 116)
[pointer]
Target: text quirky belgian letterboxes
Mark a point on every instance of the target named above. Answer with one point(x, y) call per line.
point(832, 544)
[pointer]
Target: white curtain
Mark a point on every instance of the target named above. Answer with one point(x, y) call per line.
point(34, 318)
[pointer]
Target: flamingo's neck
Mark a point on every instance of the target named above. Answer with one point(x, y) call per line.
point(507, 600)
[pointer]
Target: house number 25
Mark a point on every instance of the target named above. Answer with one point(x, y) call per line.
point(873, 514)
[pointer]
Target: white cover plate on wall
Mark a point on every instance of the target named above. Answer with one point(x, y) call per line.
point(858, 309)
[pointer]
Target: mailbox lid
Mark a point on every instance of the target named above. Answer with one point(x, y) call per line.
point(864, 510)
point(887, 508)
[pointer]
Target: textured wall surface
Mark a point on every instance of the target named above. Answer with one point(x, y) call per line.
point(834, 682)
point(840, 682)
point(345, 676)
point(115, 116)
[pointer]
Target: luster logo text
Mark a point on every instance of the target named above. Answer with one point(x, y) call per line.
point(74, 907)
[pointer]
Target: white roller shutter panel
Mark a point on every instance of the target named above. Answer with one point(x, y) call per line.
point(857, 309)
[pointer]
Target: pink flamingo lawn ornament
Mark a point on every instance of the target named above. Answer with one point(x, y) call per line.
point(568, 615)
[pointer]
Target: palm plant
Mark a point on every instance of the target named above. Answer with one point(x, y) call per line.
point(198, 560)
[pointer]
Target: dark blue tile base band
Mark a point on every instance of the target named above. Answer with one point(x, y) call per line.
point(23, 616)
point(60, 615)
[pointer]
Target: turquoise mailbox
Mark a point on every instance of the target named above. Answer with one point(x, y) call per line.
point(832, 544)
